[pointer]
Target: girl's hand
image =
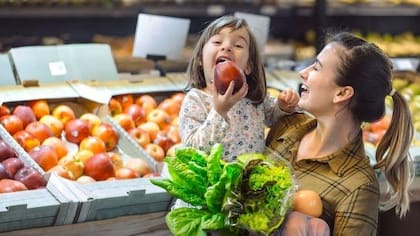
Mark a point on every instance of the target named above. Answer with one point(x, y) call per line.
point(288, 100)
point(223, 103)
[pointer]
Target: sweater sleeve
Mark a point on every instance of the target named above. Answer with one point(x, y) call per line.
point(200, 125)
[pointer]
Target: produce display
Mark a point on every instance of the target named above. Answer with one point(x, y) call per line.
point(253, 193)
point(80, 148)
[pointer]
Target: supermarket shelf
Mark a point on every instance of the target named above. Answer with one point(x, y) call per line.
point(361, 10)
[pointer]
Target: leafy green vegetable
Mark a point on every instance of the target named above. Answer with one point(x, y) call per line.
point(252, 193)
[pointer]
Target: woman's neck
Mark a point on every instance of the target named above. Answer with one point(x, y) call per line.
point(330, 135)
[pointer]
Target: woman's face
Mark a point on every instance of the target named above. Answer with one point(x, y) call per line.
point(319, 87)
point(226, 45)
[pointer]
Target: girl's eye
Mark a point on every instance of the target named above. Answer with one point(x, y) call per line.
point(217, 42)
point(239, 46)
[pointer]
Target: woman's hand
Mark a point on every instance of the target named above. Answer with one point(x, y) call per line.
point(288, 100)
point(223, 103)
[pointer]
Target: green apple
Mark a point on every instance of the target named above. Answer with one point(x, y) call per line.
point(398, 83)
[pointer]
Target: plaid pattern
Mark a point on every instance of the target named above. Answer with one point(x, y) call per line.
point(345, 181)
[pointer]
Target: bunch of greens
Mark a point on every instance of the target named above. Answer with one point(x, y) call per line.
point(250, 194)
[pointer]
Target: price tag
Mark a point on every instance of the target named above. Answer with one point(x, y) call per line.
point(57, 68)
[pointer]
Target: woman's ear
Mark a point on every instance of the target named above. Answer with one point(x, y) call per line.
point(343, 94)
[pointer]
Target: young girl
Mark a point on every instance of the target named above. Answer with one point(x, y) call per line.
point(236, 120)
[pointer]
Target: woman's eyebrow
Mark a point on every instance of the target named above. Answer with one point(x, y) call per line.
point(318, 62)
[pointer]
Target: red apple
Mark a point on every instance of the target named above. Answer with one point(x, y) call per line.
point(147, 102)
point(12, 165)
point(107, 133)
point(11, 123)
point(140, 136)
point(6, 151)
point(155, 151)
point(27, 140)
point(163, 140)
point(4, 110)
point(55, 125)
point(45, 156)
point(150, 127)
point(76, 130)
point(30, 177)
point(224, 73)
point(125, 121)
point(84, 179)
point(139, 165)
point(160, 117)
point(126, 173)
point(64, 113)
point(136, 112)
point(100, 167)
point(92, 143)
point(25, 113)
point(114, 106)
point(40, 130)
point(10, 185)
point(4, 173)
point(92, 119)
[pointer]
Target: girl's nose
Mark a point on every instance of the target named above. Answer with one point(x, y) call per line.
point(227, 48)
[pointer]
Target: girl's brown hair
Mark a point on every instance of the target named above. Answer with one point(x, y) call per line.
point(366, 68)
point(256, 79)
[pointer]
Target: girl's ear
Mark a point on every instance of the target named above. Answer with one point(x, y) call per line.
point(343, 94)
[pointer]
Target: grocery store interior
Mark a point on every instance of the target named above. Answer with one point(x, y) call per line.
point(98, 41)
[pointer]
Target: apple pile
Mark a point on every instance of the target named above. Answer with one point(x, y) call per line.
point(14, 175)
point(77, 148)
point(153, 125)
point(373, 132)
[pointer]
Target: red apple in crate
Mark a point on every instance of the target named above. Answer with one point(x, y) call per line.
point(45, 156)
point(10, 185)
point(136, 112)
point(4, 110)
point(59, 170)
point(76, 130)
point(58, 144)
point(114, 106)
point(40, 130)
point(4, 173)
point(92, 119)
point(55, 125)
point(107, 133)
point(126, 173)
point(155, 151)
point(160, 117)
point(178, 97)
point(64, 113)
point(12, 165)
point(163, 140)
point(84, 179)
point(125, 121)
point(150, 127)
point(40, 108)
point(93, 143)
point(140, 136)
point(25, 113)
point(100, 167)
point(6, 151)
point(170, 106)
point(30, 177)
point(224, 73)
point(27, 140)
point(147, 102)
point(139, 165)
point(11, 123)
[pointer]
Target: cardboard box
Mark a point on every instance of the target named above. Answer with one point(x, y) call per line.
point(61, 63)
point(6, 72)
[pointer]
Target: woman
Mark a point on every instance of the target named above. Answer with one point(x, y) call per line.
point(345, 87)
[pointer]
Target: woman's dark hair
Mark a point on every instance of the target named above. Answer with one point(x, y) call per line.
point(367, 69)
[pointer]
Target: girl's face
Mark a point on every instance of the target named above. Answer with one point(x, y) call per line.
point(226, 45)
point(319, 87)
